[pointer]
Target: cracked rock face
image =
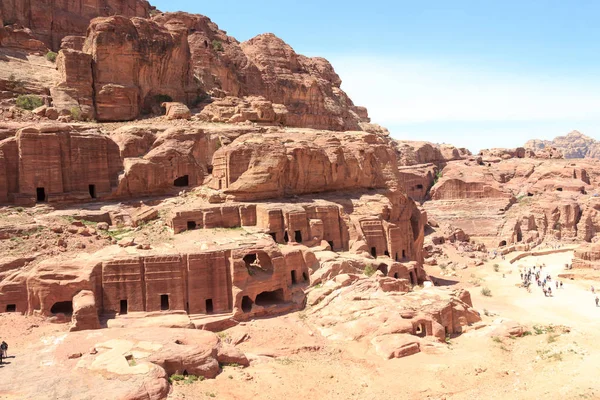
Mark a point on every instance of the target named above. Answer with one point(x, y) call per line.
point(50, 21)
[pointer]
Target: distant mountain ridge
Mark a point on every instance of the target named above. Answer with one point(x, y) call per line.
point(573, 145)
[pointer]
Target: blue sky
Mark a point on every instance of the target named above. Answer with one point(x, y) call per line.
point(476, 74)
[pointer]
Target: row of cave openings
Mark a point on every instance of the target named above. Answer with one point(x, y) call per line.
point(297, 237)
point(41, 196)
point(181, 181)
point(266, 298)
point(387, 254)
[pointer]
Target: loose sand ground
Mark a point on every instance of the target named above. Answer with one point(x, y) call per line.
point(293, 361)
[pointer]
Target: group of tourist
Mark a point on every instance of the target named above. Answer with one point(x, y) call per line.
point(3, 351)
point(528, 276)
point(544, 282)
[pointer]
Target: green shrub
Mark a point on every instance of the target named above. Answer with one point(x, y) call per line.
point(76, 113)
point(234, 365)
point(217, 45)
point(29, 102)
point(486, 292)
point(496, 268)
point(438, 175)
point(369, 270)
point(51, 56)
point(541, 329)
point(193, 378)
point(176, 377)
point(14, 84)
point(185, 379)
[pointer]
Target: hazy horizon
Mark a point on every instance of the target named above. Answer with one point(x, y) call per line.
point(470, 74)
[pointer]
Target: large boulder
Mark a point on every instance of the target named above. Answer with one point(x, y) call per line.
point(85, 313)
point(176, 110)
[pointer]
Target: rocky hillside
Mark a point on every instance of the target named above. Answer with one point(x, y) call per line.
point(118, 61)
point(573, 145)
point(49, 22)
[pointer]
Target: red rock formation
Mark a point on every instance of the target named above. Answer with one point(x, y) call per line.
point(417, 180)
point(53, 163)
point(519, 152)
point(267, 166)
point(308, 87)
point(587, 256)
point(75, 89)
point(85, 312)
point(50, 20)
point(178, 157)
point(21, 38)
point(354, 311)
point(419, 164)
point(130, 363)
point(136, 65)
point(417, 153)
point(253, 109)
point(518, 201)
point(174, 110)
point(390, 227)
point(573, 145)
point(266, 66)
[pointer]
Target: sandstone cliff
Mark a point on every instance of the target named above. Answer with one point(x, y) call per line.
point(138, 62)
point(266, 66)
point(49, 21)
point(573, 145)
point(518, 202)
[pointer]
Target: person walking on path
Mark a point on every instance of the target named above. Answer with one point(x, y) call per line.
point(597, 301)
point(4, 349)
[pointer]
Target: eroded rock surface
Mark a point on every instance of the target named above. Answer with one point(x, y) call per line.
point(126, 363)
point(50, 22)
point(573, 145)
